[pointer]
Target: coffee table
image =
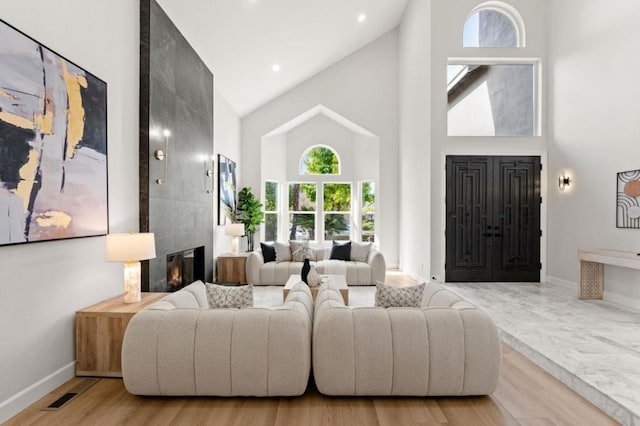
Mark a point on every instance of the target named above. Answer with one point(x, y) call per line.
point(339, 280)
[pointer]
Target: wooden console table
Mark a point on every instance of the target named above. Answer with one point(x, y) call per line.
point(591, 269)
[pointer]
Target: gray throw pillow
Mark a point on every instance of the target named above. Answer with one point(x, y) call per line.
point(221, 296)
point(283, 252)
point(300, 251)
point(360, 251)
point(391, 297)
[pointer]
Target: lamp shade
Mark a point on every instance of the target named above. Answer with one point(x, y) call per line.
point(130, 247)
point(234, 229)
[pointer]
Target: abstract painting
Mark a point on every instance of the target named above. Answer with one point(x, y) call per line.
point(227, 197)
point(53, 144)
point(628, 204)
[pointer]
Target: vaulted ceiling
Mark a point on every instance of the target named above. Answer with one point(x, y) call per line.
point(242, 40)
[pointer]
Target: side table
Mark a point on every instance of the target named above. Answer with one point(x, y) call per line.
point(232, 268)
point(99, 333)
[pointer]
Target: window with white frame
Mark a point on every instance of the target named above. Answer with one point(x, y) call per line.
point(302, 211)
point(318, 209)
point(271, 208)
point(493, 24)
point(493, 96)
point(368, 211)
point(336, 207)
point(492, 99)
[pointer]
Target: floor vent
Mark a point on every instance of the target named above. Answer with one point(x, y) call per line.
point(71, 394)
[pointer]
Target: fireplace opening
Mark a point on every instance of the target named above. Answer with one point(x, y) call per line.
point(184, 267)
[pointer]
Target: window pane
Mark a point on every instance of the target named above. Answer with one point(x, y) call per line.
point(491, 100)
point(270, 227)
point(368, 211)
point(337, 226)
point(489, 28)
point(302, 226)
point(337, 197)
point(302, 197)
point(319, 160)
point(271, 196)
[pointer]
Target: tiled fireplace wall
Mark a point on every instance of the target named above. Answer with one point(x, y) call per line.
point(176, 95)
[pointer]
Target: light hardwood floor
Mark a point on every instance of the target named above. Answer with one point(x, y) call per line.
point(526, 395)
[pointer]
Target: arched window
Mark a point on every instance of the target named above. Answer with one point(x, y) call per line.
point(320, 160)
point(493, 24)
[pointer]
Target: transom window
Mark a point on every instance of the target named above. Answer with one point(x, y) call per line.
point(493, 24)
point(320, 160)
point(491, 100)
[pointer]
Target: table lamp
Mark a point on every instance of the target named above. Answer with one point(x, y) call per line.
point(131, 249)
point(236, 230)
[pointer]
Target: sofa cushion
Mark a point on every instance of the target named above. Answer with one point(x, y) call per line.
point(341, 251)
point(300, 251)
point(283, 252)
point(360, 251)
point(221, 296)
point(391, 297)
point(268, 252)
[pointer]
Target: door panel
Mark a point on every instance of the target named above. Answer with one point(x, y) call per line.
point(468, 215)
point(493, 218)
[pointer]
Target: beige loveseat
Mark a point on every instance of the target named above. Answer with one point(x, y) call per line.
point(355, 273)
point(179, 346)
point(447, 347)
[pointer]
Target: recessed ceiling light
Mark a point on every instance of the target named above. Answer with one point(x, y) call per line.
point(362, 17)
point(275, 68)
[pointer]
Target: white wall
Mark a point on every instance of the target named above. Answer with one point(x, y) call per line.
point(415, 138)
point(595, 134)
point(447, 20)
point(363, 88)
point(43, 284)
point(226, 141)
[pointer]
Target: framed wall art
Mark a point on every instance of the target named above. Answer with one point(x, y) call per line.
point(628, 199)
point(53, 144)
point(227, 195)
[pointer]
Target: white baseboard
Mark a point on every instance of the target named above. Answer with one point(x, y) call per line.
point(18, 402)
point(616, 298)
point(419, 278)
point(562, 283)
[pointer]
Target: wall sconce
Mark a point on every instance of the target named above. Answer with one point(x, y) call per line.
point(161, 155)
point(130, 249)
point(563, 181)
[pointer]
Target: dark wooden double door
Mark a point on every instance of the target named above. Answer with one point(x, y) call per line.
point(493, 219)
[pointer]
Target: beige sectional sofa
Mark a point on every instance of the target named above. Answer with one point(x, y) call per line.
point(179, 346)
point(447, 347)
point(356, 273)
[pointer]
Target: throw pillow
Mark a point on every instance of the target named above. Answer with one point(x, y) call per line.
point(300, 251)
point(390, 297)
point(341, 251)
point(221, 296)
point(268, 252)
point(283, 252)
point(360, 251)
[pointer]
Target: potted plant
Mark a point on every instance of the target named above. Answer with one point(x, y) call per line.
point(249, 213)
